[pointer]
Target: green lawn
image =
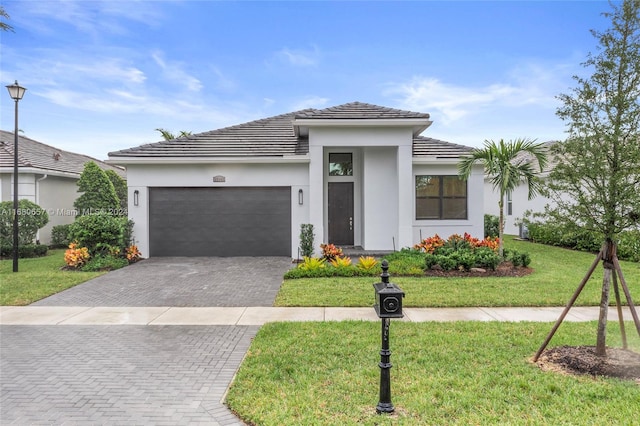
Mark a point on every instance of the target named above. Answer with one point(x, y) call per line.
point(37, 278)
point(557, 274)
point(464, 373)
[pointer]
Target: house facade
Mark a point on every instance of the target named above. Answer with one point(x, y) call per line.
point(47, 176)
point(361, 174)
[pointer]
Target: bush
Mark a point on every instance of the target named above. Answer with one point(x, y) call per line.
point(60, 236)
point(306, 239)
point(491, 226)
point(487, 258)
point(24, 251)
point(583, 240)
point(98, 232)
point(31, 217)
point(104, 263)
point(98, 194)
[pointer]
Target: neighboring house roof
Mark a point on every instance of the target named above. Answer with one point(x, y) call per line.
point(37, 155)
point(524, 156)
point(279, 136)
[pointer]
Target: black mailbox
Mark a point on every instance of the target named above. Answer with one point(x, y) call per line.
point(388, 296)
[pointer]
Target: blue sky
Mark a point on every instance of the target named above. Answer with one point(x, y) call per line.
point(102, 75)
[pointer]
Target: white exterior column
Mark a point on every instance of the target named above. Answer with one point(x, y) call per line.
point(316, 194)
point(405, 196)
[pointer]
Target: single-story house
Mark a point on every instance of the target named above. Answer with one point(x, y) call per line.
point(361, 174)
point(47, 176)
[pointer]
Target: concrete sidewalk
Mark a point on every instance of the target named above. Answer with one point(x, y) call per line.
point(74, 315)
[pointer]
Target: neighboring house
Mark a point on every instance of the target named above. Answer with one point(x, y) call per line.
point(517, 202)
point(47, 176)
point(360, 173)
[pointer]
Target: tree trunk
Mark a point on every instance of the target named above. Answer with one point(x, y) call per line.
point(607, 261)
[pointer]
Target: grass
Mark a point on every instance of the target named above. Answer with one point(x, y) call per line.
point(37, 278)
point(443, 374)
point(557, 274)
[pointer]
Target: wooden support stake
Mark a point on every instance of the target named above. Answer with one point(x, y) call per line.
point(627, 294)
point(570, 304)
point(616, 290)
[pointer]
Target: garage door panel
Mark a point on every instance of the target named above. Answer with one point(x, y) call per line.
point(220, 221)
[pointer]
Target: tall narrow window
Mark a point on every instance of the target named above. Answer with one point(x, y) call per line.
point(509, 204)
point(441, 197)
point(340, 164)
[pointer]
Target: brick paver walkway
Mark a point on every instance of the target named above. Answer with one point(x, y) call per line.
point(137, 374)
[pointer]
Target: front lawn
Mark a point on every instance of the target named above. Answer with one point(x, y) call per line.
point(443, 373)
point(557, 273)
point(37, 278)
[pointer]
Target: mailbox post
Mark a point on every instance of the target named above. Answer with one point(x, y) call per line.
point(388, 305)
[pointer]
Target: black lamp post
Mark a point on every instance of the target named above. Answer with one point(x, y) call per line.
point(16, 92)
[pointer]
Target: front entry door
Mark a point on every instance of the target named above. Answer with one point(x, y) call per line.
point(341, 213)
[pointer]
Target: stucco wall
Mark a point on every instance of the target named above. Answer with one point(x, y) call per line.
point(56, 195)
point(142, 177)
point(520, 204)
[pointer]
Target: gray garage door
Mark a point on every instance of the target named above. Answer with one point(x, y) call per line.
point(220, 221)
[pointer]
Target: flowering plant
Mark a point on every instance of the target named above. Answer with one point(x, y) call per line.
point(330, 251)
point(75, 257)
point(133, 254)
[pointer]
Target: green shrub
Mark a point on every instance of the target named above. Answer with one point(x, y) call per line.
point(576, 238)
point(31, 217)
point(486, 258)
point(60, 236)
point(629, 245)
point(446, 262)
point(98, 232)
point(306, 239)
point(104, 263)
point(98, 194)
point(491, 226)
point(24, 251)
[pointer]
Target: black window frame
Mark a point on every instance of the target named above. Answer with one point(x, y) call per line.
point(441, 198)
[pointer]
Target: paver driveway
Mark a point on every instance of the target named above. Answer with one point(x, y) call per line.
point(143, 375)
point(182, 281)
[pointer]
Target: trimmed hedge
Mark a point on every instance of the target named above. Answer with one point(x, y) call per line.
point(584, 240)
point(24, 251)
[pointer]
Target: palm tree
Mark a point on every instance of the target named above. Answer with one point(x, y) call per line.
point(507, 165)
point(168, 135)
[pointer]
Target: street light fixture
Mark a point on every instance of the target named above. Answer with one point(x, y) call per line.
point(16, 92)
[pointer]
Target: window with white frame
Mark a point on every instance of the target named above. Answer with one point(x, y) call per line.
point(441, 197)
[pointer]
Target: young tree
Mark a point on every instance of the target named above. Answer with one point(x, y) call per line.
point(120, 186)
point(97, 190)
point(507, 166)
point(595, 183)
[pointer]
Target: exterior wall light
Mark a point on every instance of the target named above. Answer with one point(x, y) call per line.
point(136, 194)
point(300, 197)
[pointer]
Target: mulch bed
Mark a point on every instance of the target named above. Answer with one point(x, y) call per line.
point(505, 269)
point(582, 360)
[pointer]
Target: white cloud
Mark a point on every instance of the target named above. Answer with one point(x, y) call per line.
point(310, 102)
point(96, 17)
point(299, 57)
point(173, 72)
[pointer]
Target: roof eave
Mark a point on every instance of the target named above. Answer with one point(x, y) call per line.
point(129, 160)
point(301, 125)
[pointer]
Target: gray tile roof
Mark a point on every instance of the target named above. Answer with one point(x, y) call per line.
point(277, 137)
point(37, 155)
point(359, 111)
point(429, 147)
point(268, 137)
